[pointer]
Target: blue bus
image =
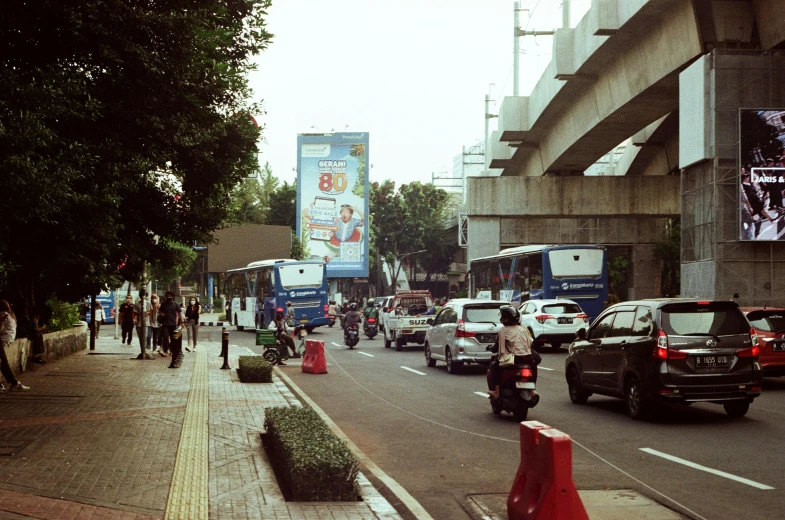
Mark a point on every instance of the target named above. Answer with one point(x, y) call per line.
point(257, 291)
point(570, 272)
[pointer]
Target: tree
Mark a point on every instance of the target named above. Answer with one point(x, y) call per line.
point(250, 199)
point(125, 127)
point(283, 206)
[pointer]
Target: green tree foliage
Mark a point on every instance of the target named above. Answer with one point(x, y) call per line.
point(122, 121)
point(283, 206)
point(668, 252)
point(618, 269)
point(250, 199)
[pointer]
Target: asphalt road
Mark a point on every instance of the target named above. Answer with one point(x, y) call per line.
point(435, 434)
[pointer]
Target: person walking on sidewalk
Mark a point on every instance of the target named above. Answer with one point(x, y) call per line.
point(7, 334)
point(141, 313)
point(98, 311)
point(192, 322)
point(153, 327)
point(127, 319)
point(172, 318)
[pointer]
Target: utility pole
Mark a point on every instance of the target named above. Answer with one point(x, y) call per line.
point(518, 32)
point(516, 60)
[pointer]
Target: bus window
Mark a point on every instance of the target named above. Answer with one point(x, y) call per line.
point(482, 280)
point(576, 263)
point(506, 274)
point(301, 275)
point(535, 271)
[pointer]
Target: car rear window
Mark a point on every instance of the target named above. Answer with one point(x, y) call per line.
point(486, 314)
point(711, 320)
point(562, 308)
point(767, 321)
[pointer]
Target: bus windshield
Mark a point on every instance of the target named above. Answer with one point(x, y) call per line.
point(576, 263)
point(301, 275)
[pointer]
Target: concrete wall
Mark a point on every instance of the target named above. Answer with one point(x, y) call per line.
point(56, 345)
point(484, 237)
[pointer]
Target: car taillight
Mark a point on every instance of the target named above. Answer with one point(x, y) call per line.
point(753, 351)
point(326, 308)
point(754, 336)
point(663, 352)
point(461, 331)
point(542, 317)
point(704, 302)
point(584, 317)
point(371, 320)
point(526, 373)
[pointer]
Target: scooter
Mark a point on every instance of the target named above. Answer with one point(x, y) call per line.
point(331, 320)
point(516, 390)
point(351, 335)
point(370, 327)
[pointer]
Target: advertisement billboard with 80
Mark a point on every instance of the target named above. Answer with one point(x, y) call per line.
point(332, 201)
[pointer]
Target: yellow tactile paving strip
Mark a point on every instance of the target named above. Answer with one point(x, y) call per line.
point(188, 494)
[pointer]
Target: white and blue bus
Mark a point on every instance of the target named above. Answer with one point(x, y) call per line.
point(257, 291)
point(518, 274)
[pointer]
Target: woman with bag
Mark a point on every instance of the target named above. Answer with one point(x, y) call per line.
point(514, 347)
point(154, 325)
point(7, 335)
point(99, 318)
point(192, 322)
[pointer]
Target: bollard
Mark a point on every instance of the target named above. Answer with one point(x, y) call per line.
point(225, 349)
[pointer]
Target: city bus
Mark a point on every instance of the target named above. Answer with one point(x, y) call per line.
point(518, 274)
point(257, 291)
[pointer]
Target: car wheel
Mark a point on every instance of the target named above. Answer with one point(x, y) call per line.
point(428, 359)
point(577, 394)
point(453, 367)
point(496, 406)
point(387, 342)
point(521, 411)
point(633, 398)
point(309, 330)
point(399, 343)
point(736, 408)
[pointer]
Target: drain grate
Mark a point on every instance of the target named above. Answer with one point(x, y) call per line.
point(9, 448)
point(41, 399)
point(107, 353)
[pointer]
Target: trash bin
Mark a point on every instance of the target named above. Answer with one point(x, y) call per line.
point(265, 337)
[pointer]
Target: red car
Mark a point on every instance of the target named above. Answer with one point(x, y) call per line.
point(769, 322)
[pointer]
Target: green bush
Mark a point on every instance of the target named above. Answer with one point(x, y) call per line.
point(314, 463)
point(64, 314)
point(218, 304)
point(222, 317)
point(255, 369)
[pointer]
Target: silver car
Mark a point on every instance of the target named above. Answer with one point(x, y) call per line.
point(461, 331)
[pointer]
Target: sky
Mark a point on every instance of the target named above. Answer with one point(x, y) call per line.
point(412, 73)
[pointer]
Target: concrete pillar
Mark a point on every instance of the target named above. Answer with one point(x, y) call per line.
point(645, 277)
point(484, 237)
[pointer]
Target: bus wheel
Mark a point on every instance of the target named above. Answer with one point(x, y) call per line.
point(236, 325)
point(309, 330)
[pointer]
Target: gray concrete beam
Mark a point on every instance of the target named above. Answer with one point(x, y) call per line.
point(770, 16)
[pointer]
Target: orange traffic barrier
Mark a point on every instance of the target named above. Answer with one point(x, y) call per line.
point(543, 487)
point(314, 361)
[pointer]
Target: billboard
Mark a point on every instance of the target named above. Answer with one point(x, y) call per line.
point(332, 201)
point(238, 246)
point(762, 174)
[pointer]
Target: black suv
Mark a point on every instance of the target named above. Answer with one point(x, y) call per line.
point(675, 350)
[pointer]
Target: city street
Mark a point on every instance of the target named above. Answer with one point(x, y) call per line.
point(434, 433)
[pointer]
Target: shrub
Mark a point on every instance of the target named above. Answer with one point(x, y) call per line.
point(255, 369)
point(222, 317)
point(64, 314)
point(314, 463)
point(218, 304)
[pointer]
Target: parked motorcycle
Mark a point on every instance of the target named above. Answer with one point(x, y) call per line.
point(516, 390)
point(370, 327)
point(351, 335)
point(278, 353)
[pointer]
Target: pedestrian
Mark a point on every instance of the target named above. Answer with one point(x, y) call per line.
point(153, 327)
point(192, 322)
point(141, 313)
point(171, 321)
point(290, 319)
point(7, 334)
point(127, 320)
point(98, 318)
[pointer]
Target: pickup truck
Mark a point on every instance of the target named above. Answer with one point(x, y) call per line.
point(410, 327)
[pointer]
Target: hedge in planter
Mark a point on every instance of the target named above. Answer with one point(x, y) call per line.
point(255, 369)
point(309, 458)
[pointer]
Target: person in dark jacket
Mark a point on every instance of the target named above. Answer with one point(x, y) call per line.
point(127, 319)
point(171, 318)
point(192, 322)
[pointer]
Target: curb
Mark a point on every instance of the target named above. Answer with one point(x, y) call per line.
point(212, 323)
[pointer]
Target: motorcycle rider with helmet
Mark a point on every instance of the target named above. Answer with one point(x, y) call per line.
point(352, 317)
point(514, 339)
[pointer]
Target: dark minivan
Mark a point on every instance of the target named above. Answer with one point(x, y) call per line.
point(676, 350)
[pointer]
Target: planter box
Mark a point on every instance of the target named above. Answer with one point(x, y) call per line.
point(56, 345)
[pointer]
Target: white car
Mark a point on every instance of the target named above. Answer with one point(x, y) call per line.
point(553, 321)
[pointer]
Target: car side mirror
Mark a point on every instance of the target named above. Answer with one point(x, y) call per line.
point(430, 321)
point(581, 334)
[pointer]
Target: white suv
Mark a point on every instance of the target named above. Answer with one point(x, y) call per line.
point(553, 321)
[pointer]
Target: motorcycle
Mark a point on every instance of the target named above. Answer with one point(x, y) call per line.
point(516, 390)
point(278, 353)
point(351, 335)
point(371, 328)
point(331, 320)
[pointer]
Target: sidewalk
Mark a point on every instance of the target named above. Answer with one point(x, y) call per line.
point(101, 435)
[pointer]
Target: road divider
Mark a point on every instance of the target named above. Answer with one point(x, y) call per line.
point(706, 469)
point(414, 371)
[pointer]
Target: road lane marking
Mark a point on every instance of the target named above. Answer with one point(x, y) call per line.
point(417, 510)
point(706, 469)
point(336, 344)
point(545, 368)
point(415, 371)
point(365, 354)
point(482, 394)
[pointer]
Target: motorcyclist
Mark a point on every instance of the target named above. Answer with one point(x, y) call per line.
point(284, 333)
point(372, 312)
point(333, 309)
point(512, 339)
point(351, 318)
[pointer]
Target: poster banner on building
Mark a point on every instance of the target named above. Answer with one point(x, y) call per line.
point(332, 200)
point(762, 174)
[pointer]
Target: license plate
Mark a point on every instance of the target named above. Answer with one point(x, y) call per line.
point(778, 346)
point(524, 385)
point(712, 361)
point(303, 321)
point(564, 321)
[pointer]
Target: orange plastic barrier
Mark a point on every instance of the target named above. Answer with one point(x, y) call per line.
point(543, 487)
point(313, 360)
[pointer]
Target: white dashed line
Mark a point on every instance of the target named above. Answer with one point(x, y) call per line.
point(336, 344)
point(706, 469)
point(482, 394)
point(365, 354)
point(414, 371)
point(545, 368)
